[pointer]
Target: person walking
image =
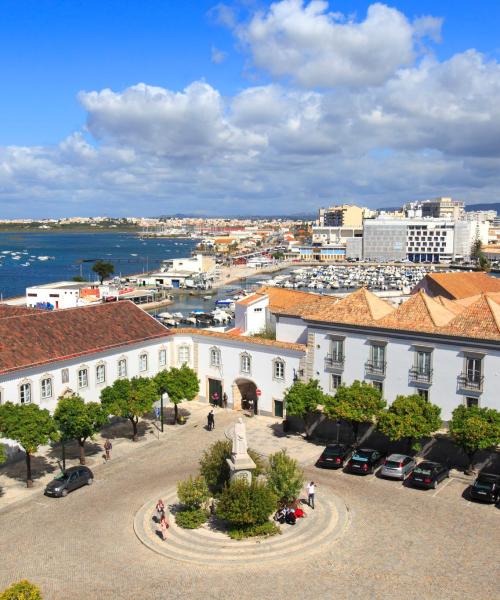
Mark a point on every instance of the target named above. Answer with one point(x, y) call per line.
point(163, 527)
point(215, 398)
point(108, 446)
point(211, 420)
point(224, 400)
point(160, 510)
point(311, 490)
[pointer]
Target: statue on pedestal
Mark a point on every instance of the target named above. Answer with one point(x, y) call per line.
point(240, 463)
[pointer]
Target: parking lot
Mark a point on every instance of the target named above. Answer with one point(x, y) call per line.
point(400, 542)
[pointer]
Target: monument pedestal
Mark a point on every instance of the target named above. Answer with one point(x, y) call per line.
point(241, 467)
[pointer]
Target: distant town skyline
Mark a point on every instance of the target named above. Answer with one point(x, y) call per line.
point(245, 107)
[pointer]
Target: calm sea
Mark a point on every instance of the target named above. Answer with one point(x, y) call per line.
point(47, 257)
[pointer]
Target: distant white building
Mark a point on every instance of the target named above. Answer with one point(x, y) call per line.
point(63, 294)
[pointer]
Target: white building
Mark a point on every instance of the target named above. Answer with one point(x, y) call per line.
point(63, 294)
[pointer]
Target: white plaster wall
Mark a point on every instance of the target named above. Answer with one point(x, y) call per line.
point(65, 298)
point(261, 368)
point(447, 365)
point(9, 384)
point(289, 329)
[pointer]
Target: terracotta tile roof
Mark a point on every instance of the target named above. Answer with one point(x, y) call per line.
point(418, 313)
point(479, 320)
point(45, 337)
point(282, 300)
point(460, 284)
point(241, 338)
point(455, 306)
point(7, 310)
point(362, 307)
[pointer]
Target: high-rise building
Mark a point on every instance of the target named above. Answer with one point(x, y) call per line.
point(437, 208)
point(345, 215)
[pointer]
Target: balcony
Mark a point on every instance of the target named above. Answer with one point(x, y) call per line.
point(334, 361)
point(375, 367)
point(470, 382)
point(420, 376)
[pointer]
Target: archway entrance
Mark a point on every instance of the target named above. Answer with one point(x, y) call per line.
point(245, 395)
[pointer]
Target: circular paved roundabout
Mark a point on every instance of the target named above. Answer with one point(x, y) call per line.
point(311, 535)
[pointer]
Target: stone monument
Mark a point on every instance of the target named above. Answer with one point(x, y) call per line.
point(240, 463)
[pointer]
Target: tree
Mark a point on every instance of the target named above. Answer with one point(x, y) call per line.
point(244, 505)
point(30, 426)
point(484, 264)
point(103, 269)
point(411, 418)
point(79, 420)
point(22, 590)
point(180, 384)
point(79, 279)
point(302, 400)
point(214, 467)
point(193, 492)
point(476, 249)
point(356, 404)
point(129, 398)
point(285, 476)
point(473, 428)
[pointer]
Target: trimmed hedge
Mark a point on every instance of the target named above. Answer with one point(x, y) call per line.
point(191, 519)
point(264, 529)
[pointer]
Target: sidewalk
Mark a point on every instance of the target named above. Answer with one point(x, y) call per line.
point(45, 464)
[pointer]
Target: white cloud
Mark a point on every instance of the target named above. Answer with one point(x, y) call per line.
point(318, 48)
point(217, 56)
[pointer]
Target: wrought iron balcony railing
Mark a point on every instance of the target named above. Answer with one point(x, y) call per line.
point(472, 383)
point(334, 361)
point(375, 367)
point(420, 376)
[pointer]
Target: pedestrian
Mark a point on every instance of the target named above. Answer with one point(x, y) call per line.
point(224, 400)
point(215, 399)
point(311, 488)
point(211, 420)
point(163, 527)
point(108, 446)
point(160, 510)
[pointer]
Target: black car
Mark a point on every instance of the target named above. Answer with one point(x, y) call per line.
point(334, 456)
point(428, 474)
point(364, 461)
point(70, 480)
point(486, 488)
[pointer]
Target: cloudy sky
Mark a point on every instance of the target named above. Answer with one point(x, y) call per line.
point(125, 107)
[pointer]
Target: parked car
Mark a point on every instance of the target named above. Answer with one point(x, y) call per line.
point(398, 466)
point(334, 456)
point(428, 474)
point(486, 488)
point(70, 480)
point(364, 461)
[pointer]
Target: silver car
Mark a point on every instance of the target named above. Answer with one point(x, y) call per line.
point(398, 466)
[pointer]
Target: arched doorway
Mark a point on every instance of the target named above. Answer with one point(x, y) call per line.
point(245, 395)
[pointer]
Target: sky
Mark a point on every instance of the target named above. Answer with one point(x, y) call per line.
point(128, 107)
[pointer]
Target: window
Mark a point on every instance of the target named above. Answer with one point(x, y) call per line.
point(473, 369)
point(245, 363)
point(143, 362)
point(83, 378)
point(46, 388)
point(336, 381)
point(378, 385)
point(100, 373)
point(214, 357)
point(423, 394)
point(25, 393)
point(423, 362)
point(279, 369)
point(470, 402)
point(377, 358)
point(337, 350)
point(183, 355)
point(122, 367)
point(65, 376)
point(162, 358)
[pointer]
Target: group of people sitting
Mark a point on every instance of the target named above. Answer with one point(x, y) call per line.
point(289, 514)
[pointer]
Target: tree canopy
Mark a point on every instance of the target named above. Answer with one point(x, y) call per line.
point(285, 476)
point(30, 426)
point(411, 418)
point(79, 420)
point(130, 398)
point(302, 400)
point(22, 590)
point(358, 403)
point(474, 428)
point(103, 269)
point(179, 383)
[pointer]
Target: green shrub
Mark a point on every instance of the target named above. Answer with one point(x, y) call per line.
point(191, 519)
point(264, 529)
point(22, 590)
point(193, 492)
point(214, 467)
point(243, 505)
point(285, 477)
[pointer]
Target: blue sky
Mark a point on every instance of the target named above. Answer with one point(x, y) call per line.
point(50, 51)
